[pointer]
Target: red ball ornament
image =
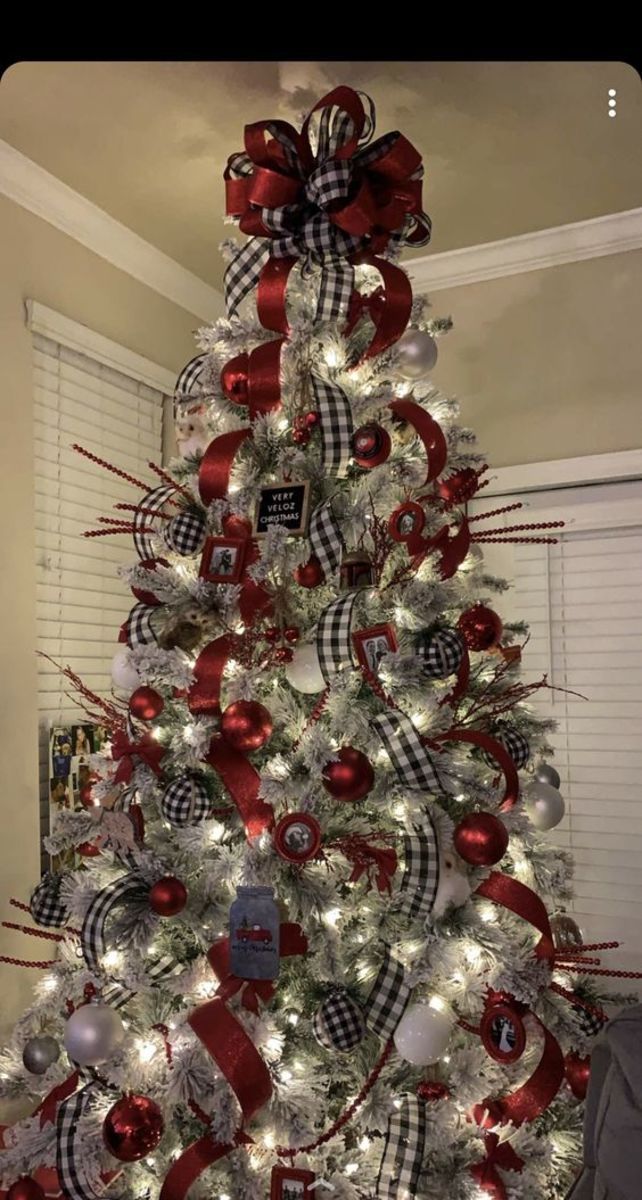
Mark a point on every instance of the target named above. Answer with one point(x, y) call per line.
point(234, 379)
point(25, 1188)
point(133, 1128)
point(431, 1090)
point(235, 526)
point(88, 849)
point(309, 575)
point(86, 797)
point(481, 627)
point(283, 654)
point(481, 839)
point(146, 704)
point(351, 777)
point(370, 446)
point(272, 633)
point(459, 487)
point(577, 1071)
point(312, 419)
point(246, 725)
point(168, 896)
point(291, 633)
point(300, 437)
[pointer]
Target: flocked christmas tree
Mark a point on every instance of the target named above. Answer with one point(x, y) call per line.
point(312, 944)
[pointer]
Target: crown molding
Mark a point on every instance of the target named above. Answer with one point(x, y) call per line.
point(41, 193)
point(47, 197)
point(616, 466)
point(612, 234)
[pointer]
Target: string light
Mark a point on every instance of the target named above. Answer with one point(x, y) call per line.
point(293, 1018)
point(350, 1168)
point(438, 1003)
point(146, 1050)
point(331, 916)
point(365, 1144)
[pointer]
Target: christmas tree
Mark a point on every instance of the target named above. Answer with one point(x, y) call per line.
point(314, 938)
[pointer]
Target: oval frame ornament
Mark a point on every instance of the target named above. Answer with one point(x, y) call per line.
point(503, 1033)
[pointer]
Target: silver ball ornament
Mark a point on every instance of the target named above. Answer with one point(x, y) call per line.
point(544, 805)
point(39, 1053)
point(416, 354)
point(547, 774)
point(93, 1034)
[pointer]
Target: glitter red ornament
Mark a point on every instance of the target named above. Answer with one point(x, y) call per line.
point(291, 633)
point(88, 849)
point(146, 704)
point(246, 725)
point(25, 1188)
point(283, 654)
point(481, 839)
point(234, 377)
point(309, 575)
point(168, 896)
point(272, 633)
point(481, 627)
point(577, 1070)
point(432, 1090)
point(459, 487)
point(133, 1128)
point(370, 446)
point(351, 777)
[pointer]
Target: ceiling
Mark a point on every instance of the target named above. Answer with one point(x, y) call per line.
point(508, 147)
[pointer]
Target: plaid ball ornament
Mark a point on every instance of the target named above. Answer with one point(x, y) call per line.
point(338, 1023)
point(442, 651)
point(186, 801)
point(185, 533)
point(514, 743)
point(45, 905)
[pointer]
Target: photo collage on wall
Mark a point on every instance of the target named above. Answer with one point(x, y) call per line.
point(70, 748)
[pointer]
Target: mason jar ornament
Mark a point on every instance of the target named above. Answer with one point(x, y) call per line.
point(356, 570)
point(254, 934)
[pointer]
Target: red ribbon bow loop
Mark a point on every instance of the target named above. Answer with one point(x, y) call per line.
point(498, 1154)
point(125, 752)
point(292, 941)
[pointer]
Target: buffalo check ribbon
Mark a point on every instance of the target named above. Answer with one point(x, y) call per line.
point(388, 997)
point(152, 502)
point(71, 1155)
point(407, 752)
point(138, 629)
point(326, 540)
point(403, 1150)
point(93, 939)
point(333, 635)
point(420, 880)
point(335, 412)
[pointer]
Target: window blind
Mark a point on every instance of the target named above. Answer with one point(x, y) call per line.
point(81, 602)
point(581, 599)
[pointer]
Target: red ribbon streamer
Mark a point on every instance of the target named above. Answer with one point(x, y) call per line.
point(216, 465)
point(525, 903)
point(148, 750)
point(205, 692)
point(391, 317)
point(242, 782)
point(498, 1154)
point(193, 1161)
point(292, 941)
point(48, 1107)
point(497, 751)
point(234, 1053)
point(429, 432)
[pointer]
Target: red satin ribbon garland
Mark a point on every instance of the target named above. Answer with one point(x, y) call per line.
point(270, 294)
point(193, 1161)
point(216, 465)
point(204, 693)
point(147, 749)
point(525, 903)
point(497, 751)
point(242, 781)
point(292, 941)
point(391, 317)
point(429, 432)
point(234, 1053)
point(48, 1107)
point(498, 1154)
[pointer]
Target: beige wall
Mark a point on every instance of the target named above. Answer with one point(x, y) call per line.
point(548, 364)
point(39, 262)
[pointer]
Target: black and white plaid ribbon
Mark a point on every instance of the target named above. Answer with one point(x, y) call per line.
point(154, 501)
point(418, 887)
point(326, 540)
point(189, 379)
point(336, 426)
point(333, 635)
point(116, 995)
point(71, 1154)
point(408, 754)
point(243, 272)
point(139, 628)
point(92, 935)
point(388, 997)
point(404, 1150)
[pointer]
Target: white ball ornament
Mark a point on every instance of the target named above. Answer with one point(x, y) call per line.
point(93, 1033)
point(303, 672)
point(123, 672)
point(416, 354)
point(544, 805)
point(423, 1033)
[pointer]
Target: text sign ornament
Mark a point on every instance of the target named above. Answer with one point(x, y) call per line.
point(284, 504)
